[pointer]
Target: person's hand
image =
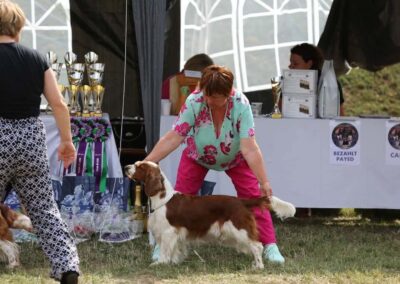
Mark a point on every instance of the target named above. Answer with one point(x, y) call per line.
point(266, 189)
point(66, 153)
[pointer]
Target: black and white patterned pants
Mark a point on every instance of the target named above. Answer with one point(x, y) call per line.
point(24, 165)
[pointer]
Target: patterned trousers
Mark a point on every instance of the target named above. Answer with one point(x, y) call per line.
point(24, 165)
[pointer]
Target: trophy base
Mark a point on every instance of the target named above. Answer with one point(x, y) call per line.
point(98, 114)
point(86, 114)
point(276, 115)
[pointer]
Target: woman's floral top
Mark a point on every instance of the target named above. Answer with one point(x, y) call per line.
point(202, 144)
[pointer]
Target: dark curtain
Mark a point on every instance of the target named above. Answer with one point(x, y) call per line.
point(172, 39)
point(363, 33)
point(149, 20)
point(99, 26)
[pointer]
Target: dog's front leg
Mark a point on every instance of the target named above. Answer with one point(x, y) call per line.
point(168, 248)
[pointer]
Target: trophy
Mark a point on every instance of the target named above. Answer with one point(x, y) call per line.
point(56, 67)
point(85, 92)
point(91, 58)
point(95, 74)
point(276, 95)
point(69, 58)
point(51, 57)
point(75, 76)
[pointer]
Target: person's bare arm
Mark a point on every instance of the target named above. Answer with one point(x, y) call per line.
point(252, 154)
point(66, 150)
point(167, 144)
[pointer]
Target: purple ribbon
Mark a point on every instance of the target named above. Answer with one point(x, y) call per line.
point(80, 159)
point(98, 153)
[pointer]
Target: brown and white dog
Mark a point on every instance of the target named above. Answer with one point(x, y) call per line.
point(9, 250)
point(176, 219)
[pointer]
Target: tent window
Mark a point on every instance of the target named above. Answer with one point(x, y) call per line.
point(252, 37)
point(47, 28)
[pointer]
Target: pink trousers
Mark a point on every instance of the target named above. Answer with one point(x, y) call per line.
point(191, 176)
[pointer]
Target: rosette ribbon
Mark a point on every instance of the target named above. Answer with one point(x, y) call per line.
point(97, 163)
point(89, 136)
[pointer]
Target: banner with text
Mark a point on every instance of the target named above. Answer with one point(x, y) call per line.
point(393, 142)
point(344, 142)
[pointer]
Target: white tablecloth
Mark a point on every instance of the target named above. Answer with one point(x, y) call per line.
point(53, 139)
point(296, 154)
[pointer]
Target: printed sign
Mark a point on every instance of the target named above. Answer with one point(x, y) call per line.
point(393, 142)
point(344, 142)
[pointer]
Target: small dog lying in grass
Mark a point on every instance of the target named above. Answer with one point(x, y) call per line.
point(176, 219)
point(9, 250)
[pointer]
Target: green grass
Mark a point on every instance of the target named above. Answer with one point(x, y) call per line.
point(317, 250)
point(376, 93)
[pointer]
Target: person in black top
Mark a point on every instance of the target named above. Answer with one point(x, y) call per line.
point(24, 76)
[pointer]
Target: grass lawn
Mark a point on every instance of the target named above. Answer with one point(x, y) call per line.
point(317, 250)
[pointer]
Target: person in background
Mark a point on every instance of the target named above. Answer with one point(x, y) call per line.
point(306, 56)
point(177, 87)
point(24, 76)
point(216, 122)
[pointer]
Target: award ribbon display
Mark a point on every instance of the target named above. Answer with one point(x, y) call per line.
point(89, 135)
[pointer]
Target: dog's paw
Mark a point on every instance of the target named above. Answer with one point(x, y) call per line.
point(155, 263)
point(13, 265)
point(257, 266)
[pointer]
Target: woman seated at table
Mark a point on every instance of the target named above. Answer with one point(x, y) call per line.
point(306, 56)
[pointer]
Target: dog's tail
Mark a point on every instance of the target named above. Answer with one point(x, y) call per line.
point(281, 208)
point(261, 202)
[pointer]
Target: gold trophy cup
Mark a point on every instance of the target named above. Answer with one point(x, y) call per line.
point(276, 95)
point(75, 76)
point(95, 74)
point(86, 93)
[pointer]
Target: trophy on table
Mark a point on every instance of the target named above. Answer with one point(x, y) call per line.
point(95, 75)
point(56, 67)
point(86, 94)
point(90, 58)
point(276, 89)
point(75, 76)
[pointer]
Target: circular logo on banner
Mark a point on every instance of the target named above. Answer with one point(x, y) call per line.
point(345, 135)
point(394, 136)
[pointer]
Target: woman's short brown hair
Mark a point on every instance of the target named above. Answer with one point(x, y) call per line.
point(12, 18)
point(216, 80)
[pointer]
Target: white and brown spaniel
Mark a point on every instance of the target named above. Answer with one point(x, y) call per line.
point(176, 219)
point(9, 250)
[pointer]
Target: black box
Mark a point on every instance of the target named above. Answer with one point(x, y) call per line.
point(133, 132)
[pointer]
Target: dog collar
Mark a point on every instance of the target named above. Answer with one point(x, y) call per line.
point(151, 209)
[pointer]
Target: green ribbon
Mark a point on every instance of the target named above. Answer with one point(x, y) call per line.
point(89, 159)
point(104, 166)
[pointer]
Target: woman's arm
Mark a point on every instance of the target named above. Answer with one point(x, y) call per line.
point(252, 154)
point(66, 149)
point(168, 143)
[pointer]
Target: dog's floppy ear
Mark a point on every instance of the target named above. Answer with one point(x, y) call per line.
point(153, 184)
point(9, 215)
